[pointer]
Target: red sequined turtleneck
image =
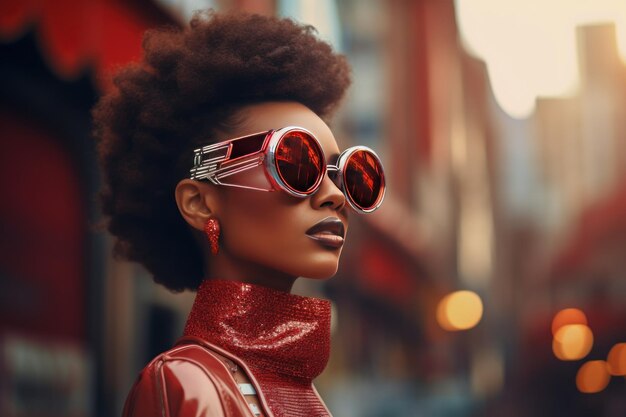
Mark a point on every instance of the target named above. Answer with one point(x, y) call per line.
point(284, 339)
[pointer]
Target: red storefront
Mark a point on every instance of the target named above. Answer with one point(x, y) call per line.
point(55, 55)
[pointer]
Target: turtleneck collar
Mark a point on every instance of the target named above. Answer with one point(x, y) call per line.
point(283, 338)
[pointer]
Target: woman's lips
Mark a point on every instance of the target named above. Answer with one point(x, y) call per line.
point(328, 232)
point(328, 239)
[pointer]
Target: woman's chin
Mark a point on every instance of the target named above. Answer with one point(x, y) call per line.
point(321, 272)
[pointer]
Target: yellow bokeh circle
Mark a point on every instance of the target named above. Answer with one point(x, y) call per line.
point(572, 342)
point(460, 310)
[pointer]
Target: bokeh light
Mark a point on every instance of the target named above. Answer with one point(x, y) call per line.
point(617, 359)
point(572, 342)
point(593, 377)
point(568, 316)
point(460, 310)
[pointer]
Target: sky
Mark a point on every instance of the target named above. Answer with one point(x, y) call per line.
point(530, 45)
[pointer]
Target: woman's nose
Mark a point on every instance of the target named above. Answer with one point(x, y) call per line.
point(328, 195)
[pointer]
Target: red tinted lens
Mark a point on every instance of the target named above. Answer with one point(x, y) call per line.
point(363, 178)
point(299, 161)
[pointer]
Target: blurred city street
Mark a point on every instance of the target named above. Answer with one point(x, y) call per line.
point(491, 282)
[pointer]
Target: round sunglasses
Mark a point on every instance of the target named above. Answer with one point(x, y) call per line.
point(293, 161)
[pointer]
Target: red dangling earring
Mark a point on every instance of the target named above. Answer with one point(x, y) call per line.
point(212, 231)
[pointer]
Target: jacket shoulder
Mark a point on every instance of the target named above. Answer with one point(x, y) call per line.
point(185, 381)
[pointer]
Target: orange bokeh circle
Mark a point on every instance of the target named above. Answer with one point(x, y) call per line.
point(572, 342)
point(460, 310)
point(617, 359)
point(568, 316)
point(593, 377)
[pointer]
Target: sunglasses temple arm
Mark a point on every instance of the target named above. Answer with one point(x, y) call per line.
point(215, 168)
point(226, 184)
point(237, 167)
point(216, 175)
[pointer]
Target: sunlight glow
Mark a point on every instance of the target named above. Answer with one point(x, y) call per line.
point(530, 45)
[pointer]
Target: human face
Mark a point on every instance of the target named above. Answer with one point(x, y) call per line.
point(266, 232)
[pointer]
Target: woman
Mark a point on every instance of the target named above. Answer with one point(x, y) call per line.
point(222, 177)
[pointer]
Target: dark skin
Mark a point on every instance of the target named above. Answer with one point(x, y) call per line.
point(263, 239)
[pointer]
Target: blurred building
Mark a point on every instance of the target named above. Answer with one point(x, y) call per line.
point(54, 351)
point(581, 151)
point(579, 239)
point(427, 105)
point(529, 214)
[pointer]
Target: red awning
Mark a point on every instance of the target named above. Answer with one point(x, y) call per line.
point(80, 35)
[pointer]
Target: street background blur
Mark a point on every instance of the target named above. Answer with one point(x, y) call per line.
point(492, 282)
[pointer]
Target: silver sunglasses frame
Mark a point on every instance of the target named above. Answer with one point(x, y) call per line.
point(213, 163)
point(340, 180)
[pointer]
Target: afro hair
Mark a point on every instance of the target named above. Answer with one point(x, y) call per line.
point(187, 88)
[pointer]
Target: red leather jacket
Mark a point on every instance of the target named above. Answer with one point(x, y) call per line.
point(186, 381)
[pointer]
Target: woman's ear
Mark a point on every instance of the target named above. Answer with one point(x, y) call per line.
point(196, 201)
